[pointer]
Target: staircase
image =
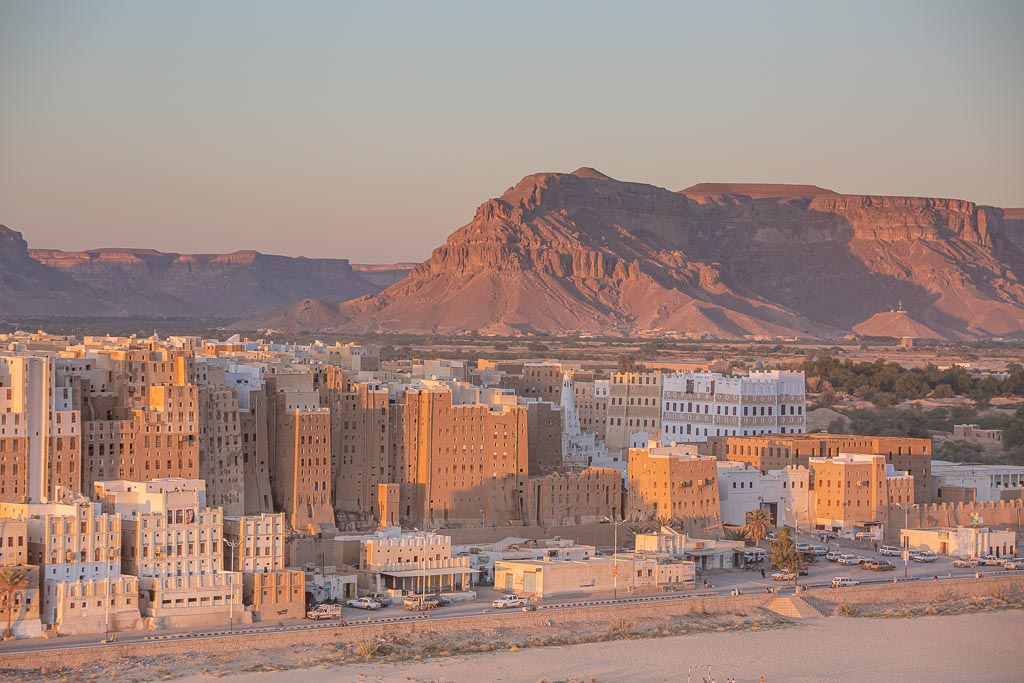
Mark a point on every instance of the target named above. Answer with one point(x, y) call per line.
point(794, 607)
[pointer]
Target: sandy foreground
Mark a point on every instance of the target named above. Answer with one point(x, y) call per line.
point(972, 647)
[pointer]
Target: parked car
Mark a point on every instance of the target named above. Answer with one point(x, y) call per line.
point(784, 575)
point(423, 603)
point(324, 612)
point(362, 603)
point(770, 536)
point(803, 547)
point(1014, 563)
point(925, 556)
point(819, 550)
point(890, 551)
point(848, 559)
point(833, 555)
point(881, 566)
point(383, 598)
point(843, 581)
point(991, 560)
point(965, 562)
point(511, 600)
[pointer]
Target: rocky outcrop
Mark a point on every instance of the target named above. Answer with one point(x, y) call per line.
point(583, 252)
point(28, 287)
point(157, 283)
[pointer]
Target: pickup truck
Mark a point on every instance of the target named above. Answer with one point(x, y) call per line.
point(423, 603)
point(324, 612)
point(511, 600)
point(384, 599)
point(362, 603)
point(991, 560)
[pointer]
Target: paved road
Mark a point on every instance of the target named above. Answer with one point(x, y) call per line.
point(723, 583)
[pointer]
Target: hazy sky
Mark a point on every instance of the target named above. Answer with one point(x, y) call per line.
point(372, 130)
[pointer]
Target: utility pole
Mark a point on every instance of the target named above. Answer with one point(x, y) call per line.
point(615, 557)
point(231, 588)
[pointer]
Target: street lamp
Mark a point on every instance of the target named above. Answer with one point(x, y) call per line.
point(615, 556)
point(796, 539)
point(906, 545)
point(231, 589)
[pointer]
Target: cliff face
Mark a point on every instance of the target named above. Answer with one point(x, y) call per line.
point(28, 287)
point(581, 251)
point(157, 283)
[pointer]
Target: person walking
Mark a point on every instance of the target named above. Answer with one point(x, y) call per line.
point(762, 572)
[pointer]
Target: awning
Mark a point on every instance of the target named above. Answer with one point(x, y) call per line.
point(713, 551)
point(449, 571)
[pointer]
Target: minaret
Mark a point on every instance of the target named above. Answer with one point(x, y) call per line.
point(570, 416)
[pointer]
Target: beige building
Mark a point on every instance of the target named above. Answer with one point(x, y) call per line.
point(301, 467)
point(416, 562)
point(255, 546)
point(574, 497)
point(221, 460)
point(853, 492)
point(173, 543)
point(626, 572)
point(360, 444)
point(40, 432)
point(23, 606)
point(462, 462)
point(775, 452)
point(634, 408)
point(674, 481)
point(592, 406)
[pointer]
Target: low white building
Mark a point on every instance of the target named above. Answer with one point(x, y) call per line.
point(961, 541)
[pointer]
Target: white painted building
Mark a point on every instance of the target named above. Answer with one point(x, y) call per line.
point(696, 405)
point(743, 488)
point(991, 483)
point(967, 542)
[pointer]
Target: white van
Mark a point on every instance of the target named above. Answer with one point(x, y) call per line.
point(844, 581)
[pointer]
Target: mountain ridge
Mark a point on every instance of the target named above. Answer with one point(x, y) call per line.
point(584, 252)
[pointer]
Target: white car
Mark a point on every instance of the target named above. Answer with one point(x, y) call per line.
point(362, 603)
point(890, 551)
point(843, 581)
point(506, 601)
point(848, 559)
point(803, 547)
point(770, 536)
point(820, 550)
point(991, 560)
point(925, 556)
point(833, 555)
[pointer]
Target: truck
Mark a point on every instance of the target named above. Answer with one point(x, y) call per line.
point(423, 603)
point(383, 599)
point(510, 600)
point(324, 612)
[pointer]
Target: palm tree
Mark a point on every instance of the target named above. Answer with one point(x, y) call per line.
point(737, 533)
point(12, 582)
point(759, 522)
point(665, 520)
point(637, 529)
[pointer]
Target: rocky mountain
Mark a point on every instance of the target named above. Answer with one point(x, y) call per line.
point(144, 281)
point(27, 287)
point(583, 252)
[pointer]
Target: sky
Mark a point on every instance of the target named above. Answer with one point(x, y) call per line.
point(372, 130)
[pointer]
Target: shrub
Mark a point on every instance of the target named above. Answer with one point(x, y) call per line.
point(848, 610)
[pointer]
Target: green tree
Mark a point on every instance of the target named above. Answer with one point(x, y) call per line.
point(759, 523)
point(943, 391)
point(737, 533)
point(12, 583)
point(782, 552)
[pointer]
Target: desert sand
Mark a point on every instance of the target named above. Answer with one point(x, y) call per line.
point(972, 647)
